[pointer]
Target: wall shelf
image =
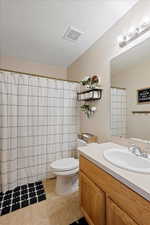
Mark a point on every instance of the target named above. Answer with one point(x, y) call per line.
point(141, 112)
point(90, 95)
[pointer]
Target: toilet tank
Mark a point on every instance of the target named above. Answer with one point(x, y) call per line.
point(83, 140)
point(80, 143)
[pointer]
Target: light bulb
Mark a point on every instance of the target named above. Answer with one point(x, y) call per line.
point(145, 23)
point(131, 32)
point(134, 32)
point(120, 39)
point(138, 30)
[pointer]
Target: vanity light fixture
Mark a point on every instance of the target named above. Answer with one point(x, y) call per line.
point(134, 32)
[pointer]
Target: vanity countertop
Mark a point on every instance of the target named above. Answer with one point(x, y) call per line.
point(138, 182)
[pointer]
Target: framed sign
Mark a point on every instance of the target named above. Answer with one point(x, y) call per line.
point(143, 95)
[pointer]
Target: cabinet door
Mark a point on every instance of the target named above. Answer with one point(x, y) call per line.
point(116, 216)
point(92, 201)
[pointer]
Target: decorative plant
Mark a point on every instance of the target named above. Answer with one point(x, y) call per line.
point(94, 80)
point(88, 109)
point(90, 81)
point(86, 81)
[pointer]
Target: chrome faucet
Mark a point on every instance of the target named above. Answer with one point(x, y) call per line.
point(137, 151)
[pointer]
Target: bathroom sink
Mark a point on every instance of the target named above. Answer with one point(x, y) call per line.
point(125, 159)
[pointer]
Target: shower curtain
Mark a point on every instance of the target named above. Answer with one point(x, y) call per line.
point(118, 112)
point(39, 123)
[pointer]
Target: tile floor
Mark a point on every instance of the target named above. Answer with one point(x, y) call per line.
point(81, 221)
point(55, 210)
point(21, 196)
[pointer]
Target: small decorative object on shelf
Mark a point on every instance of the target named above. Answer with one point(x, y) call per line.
point(91, 82)
point(86, 81)
point(91, 93)
point(88, 110)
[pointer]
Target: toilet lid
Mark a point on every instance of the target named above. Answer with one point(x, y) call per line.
point(65, 164)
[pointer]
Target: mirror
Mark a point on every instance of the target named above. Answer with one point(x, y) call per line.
point(130, 93)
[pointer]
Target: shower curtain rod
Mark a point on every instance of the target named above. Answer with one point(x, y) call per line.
point(39, 75)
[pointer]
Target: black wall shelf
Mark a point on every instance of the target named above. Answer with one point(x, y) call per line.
point(90, 95)
point(141, 112)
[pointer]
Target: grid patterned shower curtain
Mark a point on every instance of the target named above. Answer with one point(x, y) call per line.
point(39, 122)
point(118, 112)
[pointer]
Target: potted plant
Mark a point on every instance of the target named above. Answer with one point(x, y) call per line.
point(90, 81)
point(88, 109)
point(94, 81)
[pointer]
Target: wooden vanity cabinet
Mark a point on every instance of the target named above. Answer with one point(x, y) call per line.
point(106, 201)
point(116, 216)
point(92, 201)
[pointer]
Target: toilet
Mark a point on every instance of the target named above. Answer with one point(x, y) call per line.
point(66, 171)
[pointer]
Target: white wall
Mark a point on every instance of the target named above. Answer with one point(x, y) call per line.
point(18, 64)
point(97, 60)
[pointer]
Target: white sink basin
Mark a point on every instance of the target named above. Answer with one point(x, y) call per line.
point(125, 159)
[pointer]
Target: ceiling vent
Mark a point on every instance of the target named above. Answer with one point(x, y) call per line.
point(72, 34)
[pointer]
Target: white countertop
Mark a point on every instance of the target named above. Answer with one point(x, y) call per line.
point(138, 182)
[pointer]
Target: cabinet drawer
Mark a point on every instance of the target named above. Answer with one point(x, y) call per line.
point(133, 204)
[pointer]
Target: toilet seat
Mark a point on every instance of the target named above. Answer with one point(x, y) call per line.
point(67, 172)
point(67, 164)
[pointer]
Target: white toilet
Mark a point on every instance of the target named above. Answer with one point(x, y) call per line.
point(66, 171)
